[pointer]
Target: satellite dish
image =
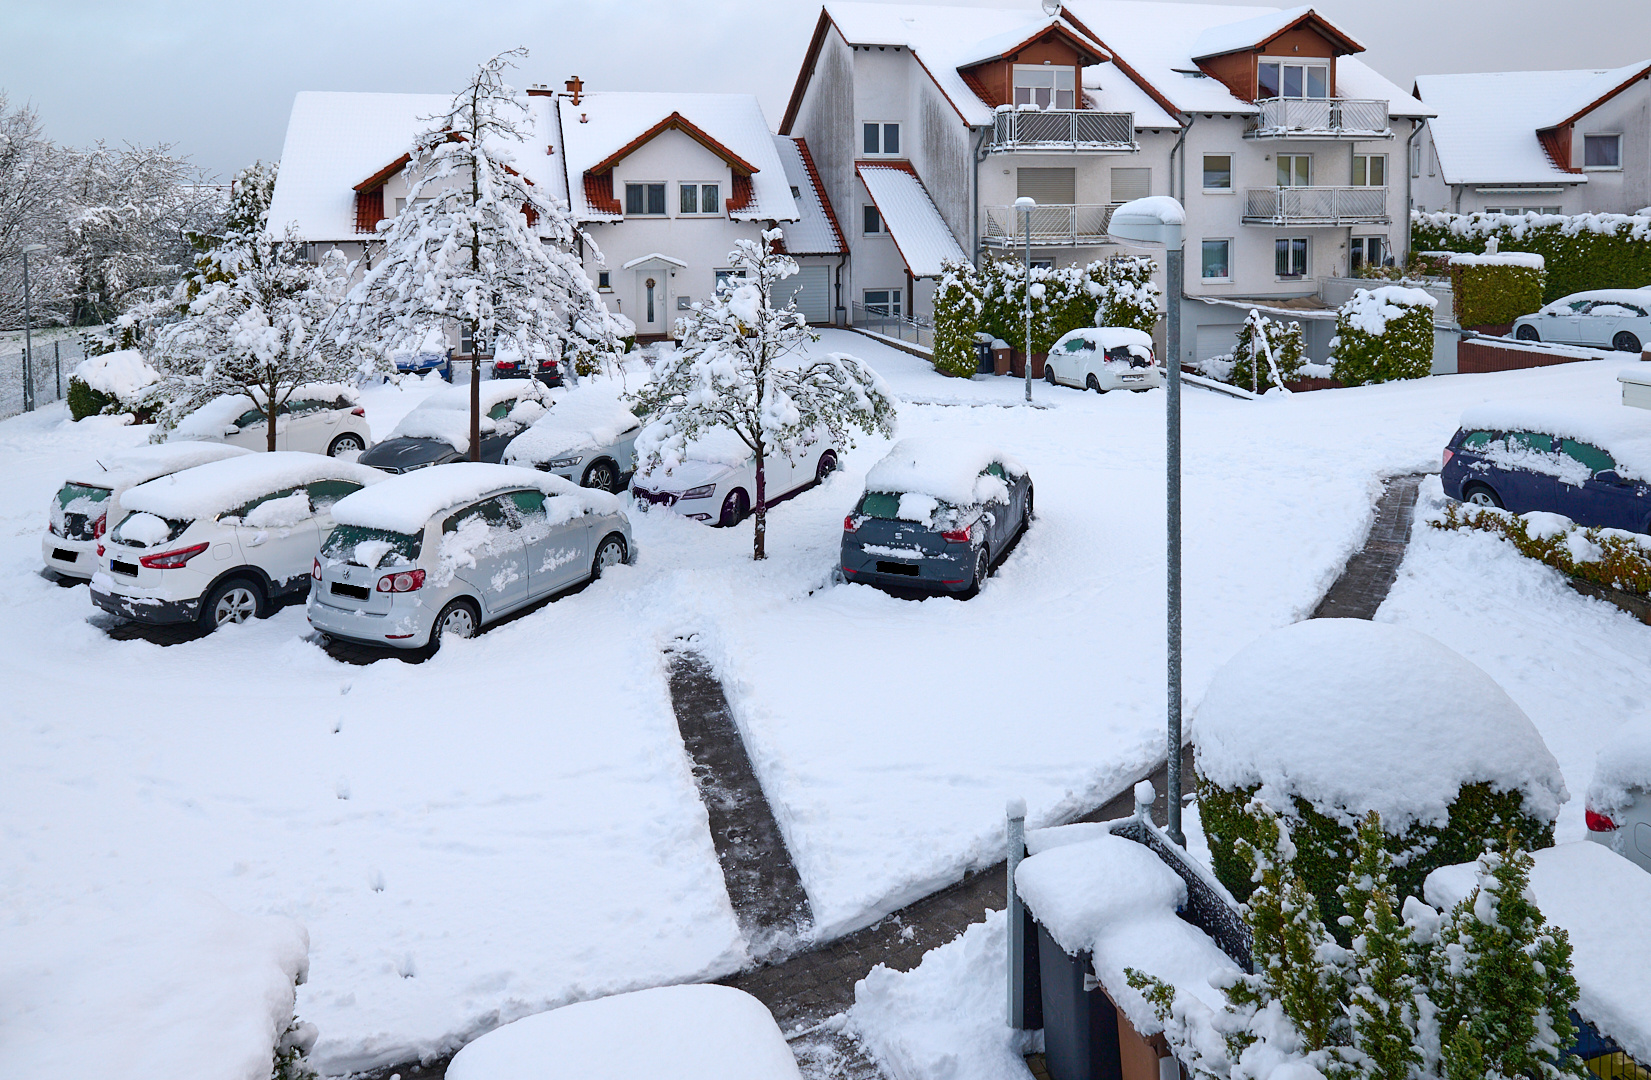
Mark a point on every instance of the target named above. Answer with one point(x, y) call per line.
point(1051, 8)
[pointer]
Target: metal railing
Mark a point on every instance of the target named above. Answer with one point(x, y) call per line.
point(1053, 225)
point(880, 320)
point(1070, 129)
point(54, 361)
point(1315, 206)
point(1325, 117)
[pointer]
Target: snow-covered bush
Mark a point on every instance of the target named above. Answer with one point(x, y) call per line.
point(113, 383)
point(1129, 297)
point(1383, 334)
point(1003, 291)
point(1611, 557)
point(1269, 353)
point(1495, 288)
point(1587, 251)
point(958, 310)
point(1330, 719)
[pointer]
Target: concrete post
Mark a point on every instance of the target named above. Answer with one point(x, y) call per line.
point(1175, 270)
point(1016, 813)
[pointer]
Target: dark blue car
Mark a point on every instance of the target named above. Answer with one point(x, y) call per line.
point(1525, 470)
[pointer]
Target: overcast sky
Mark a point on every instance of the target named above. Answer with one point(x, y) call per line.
point(216, 80)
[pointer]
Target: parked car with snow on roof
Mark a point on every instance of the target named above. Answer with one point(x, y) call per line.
point(508, 363)
point(1618, 803)
point(716, 481)
point(588, 436)
point(321, 418)
point(1603, 318)
point(437, 431)
point(1103, 358)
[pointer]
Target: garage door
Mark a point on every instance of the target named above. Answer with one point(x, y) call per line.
point(812, 288)
point(1217, 339)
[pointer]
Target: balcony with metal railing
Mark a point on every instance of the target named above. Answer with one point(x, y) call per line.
point(1044, 130)
point(1277, 206)
point(1321, 118)
point(1053, 225)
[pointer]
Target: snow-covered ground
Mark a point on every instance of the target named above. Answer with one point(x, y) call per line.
point(513, 825)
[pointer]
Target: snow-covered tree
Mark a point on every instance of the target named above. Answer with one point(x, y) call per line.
point(31, 193)
point(1129, 297)
point(1269, 353)
point(479, 244)
point(739, 368)
point(1381, 980)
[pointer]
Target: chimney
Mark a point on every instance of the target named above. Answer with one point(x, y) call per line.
point(576, 86)
point(540, 90)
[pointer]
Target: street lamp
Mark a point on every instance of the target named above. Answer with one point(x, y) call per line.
point(28, 325)
point(1024, 206)
point(1159, 220)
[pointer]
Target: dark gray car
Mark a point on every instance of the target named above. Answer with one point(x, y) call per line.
point(405, 454)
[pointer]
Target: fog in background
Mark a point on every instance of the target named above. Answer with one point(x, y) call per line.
point(216, 80)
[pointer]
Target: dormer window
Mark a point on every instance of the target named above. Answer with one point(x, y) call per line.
point(1292, 79)
point(1047, 87)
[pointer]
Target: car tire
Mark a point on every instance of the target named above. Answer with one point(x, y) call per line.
point(602, 475)
point(610, 552)
point(1527, 333)
point(983, 570)
point(826, 466)
point(1481, 495)
point(458, 618)
point(1049, 373)
point(1092, 383)
point(232, 601)
point(1026, 518)
point(346, 443)
point(734, 508)
point(1625, 342)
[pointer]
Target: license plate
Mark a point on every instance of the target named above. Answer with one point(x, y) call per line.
point(904, 569)
point(1132, 378)
point(124, 568)
point(354, 592)
point(65, 555)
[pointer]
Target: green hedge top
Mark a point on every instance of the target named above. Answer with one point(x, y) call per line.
point(1587, 251)
point(1492, 290)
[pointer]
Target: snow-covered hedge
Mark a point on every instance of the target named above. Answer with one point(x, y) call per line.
point(1384, 334)
point(113, 383)
point(1495, 289)
point(1588, 251)
point(1266, 345)
point(958, 311)
point(1129, 297)
point(1610, 557)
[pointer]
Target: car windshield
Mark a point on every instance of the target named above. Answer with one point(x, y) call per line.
point(372, 548)
point(139, 529)
point(1078, 344)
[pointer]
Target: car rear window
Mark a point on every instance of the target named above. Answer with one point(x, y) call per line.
point(69, 494)
point(1592, 456)
point(1477, 439)
point(138, 529)
point(1530, 440)
point(881, 504)
point(323, 493)
point(358, 544)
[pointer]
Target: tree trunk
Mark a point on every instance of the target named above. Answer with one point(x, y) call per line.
point(475, 400)
point(270, 410)
point(759, 538)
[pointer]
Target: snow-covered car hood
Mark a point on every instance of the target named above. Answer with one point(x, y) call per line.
point(684, 475)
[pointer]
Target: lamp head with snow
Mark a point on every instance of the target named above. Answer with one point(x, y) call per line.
point(1157, 219)
point(1026, 203)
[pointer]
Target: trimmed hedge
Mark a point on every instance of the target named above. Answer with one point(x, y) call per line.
point(1490, 295)
point(1289, 352)
point(958, 311)
point(1326, 846)
point(1588, 251)
point(84, 401)
point(1128, 295)
point(1609, 557)
point(1383, 335)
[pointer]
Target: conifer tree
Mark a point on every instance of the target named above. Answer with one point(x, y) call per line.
point(1381, 980)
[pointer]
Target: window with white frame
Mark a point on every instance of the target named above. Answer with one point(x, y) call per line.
point(1217, 261)
point(726, 279)
point(1516, 211)
point(883, 303)
point(697, 199)
point(1369, 170)
point(1295, 170)
point(1047, 87)
point(872, 222)
point(1290, 257)
point(1289, 78)
point(604, 280)
point(1218, 172)
point(1363, 251)
point(1602, 151)
point(644, 199)
point(883, 139)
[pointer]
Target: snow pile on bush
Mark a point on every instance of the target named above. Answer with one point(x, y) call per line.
point(1624, 766)
point(1612, 557)
point(1384, 334)
point(111, 383)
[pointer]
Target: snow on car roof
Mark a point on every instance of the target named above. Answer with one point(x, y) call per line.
point(699, 1032)
point(1624, 764)
point(1368, 716)
point(217, 486)
point(445, 414)
point(1637, 297)
point(944, 469)
point(1625, 434)
point(209, 421)
point(142, 463)
point(1599, 899)
point(406, 502)
point(587, 417)
point(1107, 337)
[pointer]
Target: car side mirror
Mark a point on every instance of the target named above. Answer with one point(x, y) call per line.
point(1608, 476)
point(231, 430)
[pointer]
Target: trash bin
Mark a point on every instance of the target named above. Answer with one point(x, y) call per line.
point(983, 358)
point(1080, 1023)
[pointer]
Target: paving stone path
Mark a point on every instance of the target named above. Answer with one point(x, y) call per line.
point(1370, 573)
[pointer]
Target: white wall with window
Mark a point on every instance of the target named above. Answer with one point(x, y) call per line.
point(1216, 261)
point(879, 138)
point(1369, 170)
point(1218, 173)
point(884, 303)
point(1290, 258)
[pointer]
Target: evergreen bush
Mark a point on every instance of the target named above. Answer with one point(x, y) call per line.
point(1610, 557)
point(84, 401)
point(1129, 296)
point(1588, 251)
point(1383, 335)
point(1494, 290)
point(1259, 334)
point(958, 312)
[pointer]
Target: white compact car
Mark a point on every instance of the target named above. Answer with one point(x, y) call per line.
point(220, 542)
point(1103, 358)
point(446, 551)
point(90, 499)
point(1603, 318)
point(588, 436)
point(1618, 805)
point(323, 418)
point(717, 482)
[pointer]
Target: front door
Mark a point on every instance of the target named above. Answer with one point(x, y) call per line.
point(650, 301)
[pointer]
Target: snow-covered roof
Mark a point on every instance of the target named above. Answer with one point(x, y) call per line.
point(703, 1032)
point(604, 123)
point(587, 417)
point(140, 464)
point(1600, 900)
point(1625, 434)
point(406, 502)
point(816, 230)
point(1245, 33)
point(445, 414)
point(1367, 716)
point(1571, 105)
point(1004, 42)
point(1623, 766)
point(218, 486)
point(919, 232)
point(1108, 89)
point(945, 469)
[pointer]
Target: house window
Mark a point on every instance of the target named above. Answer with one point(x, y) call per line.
point(645, 199)
point(1290, 257)
point(1602, 151)
point(1130, 184)
point(1292, 79)
point(1218, 172)
point(1416, 160)
point(1369, 170)
point(1217, 264)
point(1295, 170)
point(725, 279)
point(873, 222)
point(1046, 87)
point(883, 303)
point(1366, 251)
point(697, 198)
point(881, 138)
point(604, 280)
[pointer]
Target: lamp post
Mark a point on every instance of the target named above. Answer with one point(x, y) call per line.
point(1159, 220)
point(1024, 206)
point(28, 326)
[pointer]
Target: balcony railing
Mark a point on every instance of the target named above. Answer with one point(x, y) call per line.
point(1315, 206)
point(879, 319)
point(1321, 118)
point(1062, 129)
point(1053, 225)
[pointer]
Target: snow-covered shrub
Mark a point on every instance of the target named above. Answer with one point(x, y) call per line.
point(1129, 297)
point(1266, 347)
point(958, 310)
point(1384, 334)
point(1588, 251)
point(113, 383)
point(1611, 557)
point(1495, 289)
point(1219, 368)
point(1004, 289)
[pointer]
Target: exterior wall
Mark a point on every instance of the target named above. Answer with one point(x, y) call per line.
point(826, 120)
point(1624, 190)
point(941, 150)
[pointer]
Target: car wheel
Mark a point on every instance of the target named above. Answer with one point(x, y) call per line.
point(734, 508)
point(233, 601)
point(1092, 383)
point(1027, 519)
point(601, 474)
point(1481, 495)
point(983, 570)
point(827, 465)
point(1625, 342)
point(1049, 373)
point(611, 552)
point(458, 619)
point(1527, 333)
point(347, 443)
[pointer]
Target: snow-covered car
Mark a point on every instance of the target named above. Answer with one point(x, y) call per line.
point(323, 418)
point(1602, 318)
point(81, 510)
point(221, 542)
point(508, 363)
point(450, 550)
point(437, 431)
point(717, 479)
point(936, 515)
point(588, 436)
point(1103, 358)
point(1618, 804)
point(429, 354)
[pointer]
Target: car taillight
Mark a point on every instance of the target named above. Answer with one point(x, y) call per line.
point(358, 411)
point(956, 536)
point(1598, 822)
point(849, 524)
point(100, 551)
point(315, 569)
point(99, 525)
point(405, 581)
point(171, 560)
point(1449, 453)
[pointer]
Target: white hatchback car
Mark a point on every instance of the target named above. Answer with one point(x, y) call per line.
point(1618, 806)
point(1604, 318)
point(717, 481)
point(450, 549)
point(323, 418)
point(83, 507)
point(1103, 358)
point(588, 436)
point(220, 542)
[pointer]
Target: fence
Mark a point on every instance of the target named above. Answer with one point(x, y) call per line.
point(1331, 116)
point(1063, 127)
point(53, 363)
point(1053, 225)
point(1315, 205)
point(880, 320)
